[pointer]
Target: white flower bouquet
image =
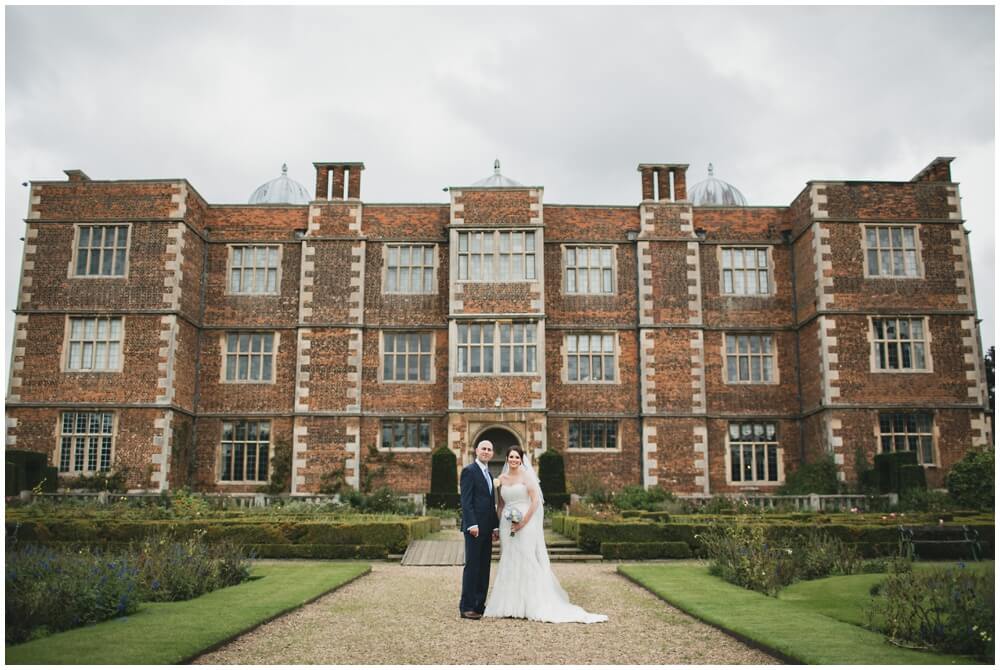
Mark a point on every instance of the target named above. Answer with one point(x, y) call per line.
point(513, 515)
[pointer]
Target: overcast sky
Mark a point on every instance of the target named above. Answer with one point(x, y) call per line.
point(568, 98)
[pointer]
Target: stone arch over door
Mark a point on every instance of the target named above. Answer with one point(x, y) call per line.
point(503, 439)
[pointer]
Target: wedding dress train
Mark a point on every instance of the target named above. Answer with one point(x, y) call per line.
point(525, 586)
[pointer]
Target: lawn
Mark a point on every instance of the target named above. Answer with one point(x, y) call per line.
point(803, 626)
point(845, 598)
point(173, 633)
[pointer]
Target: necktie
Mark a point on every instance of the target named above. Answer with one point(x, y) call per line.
point(489, 483)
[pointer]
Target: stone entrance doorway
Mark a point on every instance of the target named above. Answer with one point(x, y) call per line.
point(502, 440)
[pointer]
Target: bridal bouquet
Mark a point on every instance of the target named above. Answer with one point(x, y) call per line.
point(513, 515)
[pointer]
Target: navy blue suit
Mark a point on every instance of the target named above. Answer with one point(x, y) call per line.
point(478, 509)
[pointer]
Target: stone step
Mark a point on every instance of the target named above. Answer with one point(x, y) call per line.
point(553, 551)
point(575, 558)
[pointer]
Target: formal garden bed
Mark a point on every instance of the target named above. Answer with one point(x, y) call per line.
point(290, 530)
point(75, 563)
point(770, 582)
point(177, 632)
point(681, 536)
point(636, 523)
point(823, 624)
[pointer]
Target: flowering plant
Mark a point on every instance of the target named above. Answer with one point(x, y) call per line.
point(513, 515)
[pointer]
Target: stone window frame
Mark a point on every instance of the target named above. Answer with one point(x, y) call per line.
point(918, 249)
point(873, 343)
point(434, 266)
point(779, 455)
point(64, 356)
point(77, 227)
point(771, 281)
point(564, 248)
point(495, 253)
point(221, 452)
point(933, 434)
point(595, 450)
point(512, 346)
point(61, 436)
point(230, 248)
point(495, 345)
point(404, 332)
point(406, 420)
point(724, 354)
point(224, 353)
point(615, 352)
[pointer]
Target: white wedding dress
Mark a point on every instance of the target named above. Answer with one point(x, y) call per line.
point(525, 586)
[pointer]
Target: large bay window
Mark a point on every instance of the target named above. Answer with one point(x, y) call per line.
point(496, 255)
point(505, 347)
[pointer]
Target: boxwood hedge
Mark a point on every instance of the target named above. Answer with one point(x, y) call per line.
point(281, 539)
point(870, 540)
point(637, 551)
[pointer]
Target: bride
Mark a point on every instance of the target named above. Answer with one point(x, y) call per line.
point(525, 586)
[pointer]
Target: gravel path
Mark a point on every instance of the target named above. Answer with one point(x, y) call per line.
point(409, 615)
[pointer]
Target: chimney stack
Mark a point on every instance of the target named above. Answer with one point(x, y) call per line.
point(665, 182)
point(939, 169)
point(76, 175)
point(325, 190)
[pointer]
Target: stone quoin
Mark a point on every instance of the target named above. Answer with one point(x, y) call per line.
point(703, 346)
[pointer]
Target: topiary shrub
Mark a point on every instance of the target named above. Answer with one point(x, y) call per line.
point(912, 478)
point(818, 477)
point(552, 478)
point(971, 481)
point(28, 471)
point(444, 480)
point(888, 466)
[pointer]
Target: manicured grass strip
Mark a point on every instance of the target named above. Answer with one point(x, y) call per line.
point(171, 633)
point(845, 598)
point(777, 627)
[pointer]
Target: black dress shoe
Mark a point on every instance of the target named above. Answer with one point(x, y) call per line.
point(472, 615)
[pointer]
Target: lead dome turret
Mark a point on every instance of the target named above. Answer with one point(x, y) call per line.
point(497, 180)
point(280, 191)
point(715, 192)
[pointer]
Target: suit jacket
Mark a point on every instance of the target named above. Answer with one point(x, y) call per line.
point(478, 508)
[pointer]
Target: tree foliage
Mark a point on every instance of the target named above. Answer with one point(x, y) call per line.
point(971, 480)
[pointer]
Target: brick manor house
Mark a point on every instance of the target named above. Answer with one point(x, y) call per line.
point(692, 343)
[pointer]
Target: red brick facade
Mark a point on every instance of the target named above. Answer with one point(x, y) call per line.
point(667, 410)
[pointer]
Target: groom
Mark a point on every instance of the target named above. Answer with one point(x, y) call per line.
point(480, 527)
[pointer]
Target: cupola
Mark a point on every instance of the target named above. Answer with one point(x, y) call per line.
point(497, 180)
point(714, 192)
point(280, 191)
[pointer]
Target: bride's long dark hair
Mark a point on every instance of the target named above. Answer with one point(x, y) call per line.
point(528, 472)
point(519, 450)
